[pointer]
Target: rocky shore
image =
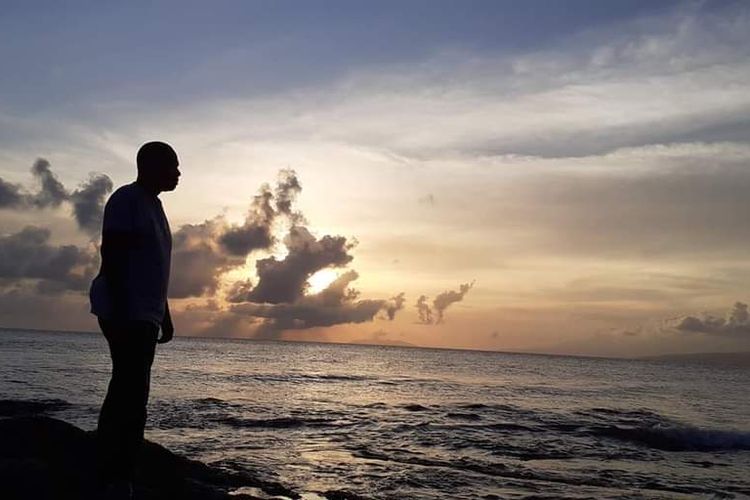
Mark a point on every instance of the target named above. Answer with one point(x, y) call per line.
point(44, 458)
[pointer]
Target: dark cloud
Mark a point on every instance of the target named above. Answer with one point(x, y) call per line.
point(336, 304)
point(288, 188)
point(306, 314)
point(198, 260)
point(11, 195)
point(285, 280)
point(203, 252)
point(737, 323)
point(27, 255)
point(435, 314)
point(424, 311)
point(440, 304)
point(445, 299)
point(394, 305)
point(255, 233)
point(209, 319)
point(280, 295)
point(51, 193)
point(241, 240)
point(88, 202)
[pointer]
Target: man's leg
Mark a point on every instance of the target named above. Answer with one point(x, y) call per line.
point(123, 415)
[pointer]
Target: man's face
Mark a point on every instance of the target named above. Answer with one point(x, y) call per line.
point(169, 176)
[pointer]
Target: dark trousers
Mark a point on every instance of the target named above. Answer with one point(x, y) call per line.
point(123, 415)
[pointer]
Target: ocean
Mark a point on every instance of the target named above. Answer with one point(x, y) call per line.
point(409, 423)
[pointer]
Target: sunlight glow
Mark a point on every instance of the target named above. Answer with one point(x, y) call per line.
point(320, 280)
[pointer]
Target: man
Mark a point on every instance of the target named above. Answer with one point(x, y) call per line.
point(129, 296)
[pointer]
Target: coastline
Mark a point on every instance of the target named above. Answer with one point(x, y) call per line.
point(47, 458)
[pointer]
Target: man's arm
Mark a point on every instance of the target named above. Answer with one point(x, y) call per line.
point(115, 248)
point(167, 328)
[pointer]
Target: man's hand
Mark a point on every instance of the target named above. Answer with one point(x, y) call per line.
point(167, 328)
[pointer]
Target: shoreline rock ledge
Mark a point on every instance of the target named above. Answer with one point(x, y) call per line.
point(45, 458)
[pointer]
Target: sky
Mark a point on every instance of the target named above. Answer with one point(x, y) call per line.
point(560, 177)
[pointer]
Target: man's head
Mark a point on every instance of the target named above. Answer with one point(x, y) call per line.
point(157, 166)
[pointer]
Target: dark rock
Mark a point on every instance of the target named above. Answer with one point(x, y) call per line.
point(44, 459)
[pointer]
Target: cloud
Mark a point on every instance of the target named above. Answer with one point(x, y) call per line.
point(394, 305)
point(209, 319)
point(202, 253)
point(445, 299)
point(737, 323)
point(198, 261)
point(285, 280)
point(334, 305)
point(27, 255)
point(11, 195)
point(664, 334)
point(255, 233)
point(278, 299)
point(88, 202)
point(51, 193)
point(288, 188)
point(440, 304)
point(424, 311)
point(625, 85)
point(280, 294)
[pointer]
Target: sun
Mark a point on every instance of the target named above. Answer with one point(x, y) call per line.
point(321, 279)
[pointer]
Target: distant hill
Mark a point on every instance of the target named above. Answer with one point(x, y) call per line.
point(738, 359)
point(385, 342)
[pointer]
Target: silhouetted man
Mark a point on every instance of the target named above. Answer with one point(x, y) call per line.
point(129, 296)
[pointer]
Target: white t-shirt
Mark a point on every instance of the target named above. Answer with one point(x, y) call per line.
point(131, 209)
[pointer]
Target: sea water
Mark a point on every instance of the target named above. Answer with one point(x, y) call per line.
point(393, 422)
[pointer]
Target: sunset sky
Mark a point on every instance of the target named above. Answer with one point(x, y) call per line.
point(582, 168)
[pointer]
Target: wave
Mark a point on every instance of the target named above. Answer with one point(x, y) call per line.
point(378, 404)
point(212, 404)
point(414, 407)
point(648, 428)
point(507, 426)
point(675, 437)
point(298, 377)
point(464, 416)
point(282, 422)
point(474, 406)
